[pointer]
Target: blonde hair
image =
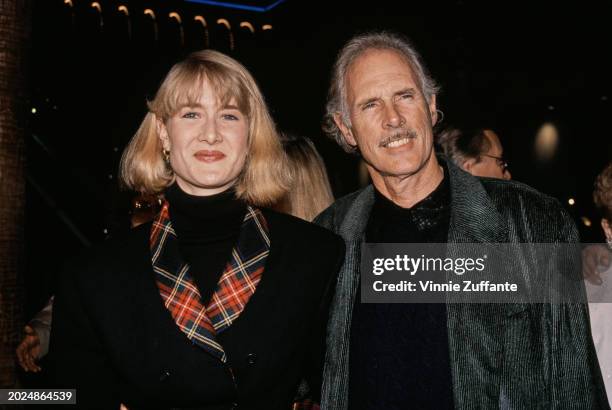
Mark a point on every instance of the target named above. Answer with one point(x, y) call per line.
point(265, 176)
point(310, 191)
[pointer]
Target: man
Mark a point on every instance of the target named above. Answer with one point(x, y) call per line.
point(382, 104)
point(479, 152)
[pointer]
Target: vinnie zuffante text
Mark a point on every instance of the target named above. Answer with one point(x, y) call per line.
point(413, 266)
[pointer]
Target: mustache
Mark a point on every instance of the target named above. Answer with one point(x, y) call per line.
point(397, 136)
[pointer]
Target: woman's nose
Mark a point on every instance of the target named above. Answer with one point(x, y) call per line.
point(209, 133)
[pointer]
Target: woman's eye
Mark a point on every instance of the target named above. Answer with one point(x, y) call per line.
point(190, 115)
point(230, 117)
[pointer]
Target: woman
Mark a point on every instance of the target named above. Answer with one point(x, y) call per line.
point(219, 302)
point(599, 287)
point(310, 192)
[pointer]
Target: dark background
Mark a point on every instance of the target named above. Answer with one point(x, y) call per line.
point(504, 65)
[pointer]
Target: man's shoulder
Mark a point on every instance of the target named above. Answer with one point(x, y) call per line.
point(342, 205)
point(525, 206)
point(332, 217)
point(509, 193)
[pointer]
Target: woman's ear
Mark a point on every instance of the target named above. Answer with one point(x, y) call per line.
point(162, 133)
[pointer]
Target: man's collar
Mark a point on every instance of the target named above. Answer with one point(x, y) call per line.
point(433, 210)
point(474, 217)
point(356, 217)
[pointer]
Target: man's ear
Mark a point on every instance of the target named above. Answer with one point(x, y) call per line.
point(346, 131)
point(468, 165)
point(433, 112)
point(162, 133)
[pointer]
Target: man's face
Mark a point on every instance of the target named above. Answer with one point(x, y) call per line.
point(490, 163)
point(391, 120)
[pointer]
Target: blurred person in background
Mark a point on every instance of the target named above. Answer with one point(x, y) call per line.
point(599, 287)
point(478, 152)
point(144, 208)
point(310, 191)
point(597, 259)
point(220, 302)
point(35, 343)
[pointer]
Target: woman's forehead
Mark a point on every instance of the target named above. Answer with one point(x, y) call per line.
point(206, 92)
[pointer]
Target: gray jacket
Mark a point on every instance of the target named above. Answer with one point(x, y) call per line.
point(510, 356)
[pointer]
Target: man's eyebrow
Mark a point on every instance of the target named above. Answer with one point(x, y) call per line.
point(367, 101)
point(408, 90)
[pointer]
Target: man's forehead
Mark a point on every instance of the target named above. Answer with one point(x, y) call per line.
point(376, 69)
point(494, 141)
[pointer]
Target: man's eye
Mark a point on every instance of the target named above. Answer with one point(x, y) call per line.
point(369, 105)
point(407, 96)
point(190, 115)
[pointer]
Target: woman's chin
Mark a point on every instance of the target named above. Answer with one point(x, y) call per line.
point(203, 187)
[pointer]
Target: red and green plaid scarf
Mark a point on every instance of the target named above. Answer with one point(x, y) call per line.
point(238, 282)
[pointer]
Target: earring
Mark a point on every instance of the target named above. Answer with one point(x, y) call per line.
point(609, 242)
point(166, 154)
point(440, 117)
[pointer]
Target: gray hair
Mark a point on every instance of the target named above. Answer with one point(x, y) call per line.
point(336, 99)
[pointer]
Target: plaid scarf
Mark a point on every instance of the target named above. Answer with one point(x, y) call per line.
point(238, 282)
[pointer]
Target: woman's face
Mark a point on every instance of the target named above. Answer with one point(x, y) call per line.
point(207, 143)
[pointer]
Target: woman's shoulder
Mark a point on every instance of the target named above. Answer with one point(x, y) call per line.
point(112, 255)
point(299, 230)
point(306, 247)
point(124, 243)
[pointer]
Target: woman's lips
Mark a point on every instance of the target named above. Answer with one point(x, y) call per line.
point(209, 156)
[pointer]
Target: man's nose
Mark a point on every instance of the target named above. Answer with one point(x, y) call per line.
point(393, 118)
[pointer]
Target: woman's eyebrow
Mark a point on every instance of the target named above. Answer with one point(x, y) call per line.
point(231, 107)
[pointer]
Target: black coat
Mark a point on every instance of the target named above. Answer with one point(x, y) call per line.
point(503, 355)
point(115, 342)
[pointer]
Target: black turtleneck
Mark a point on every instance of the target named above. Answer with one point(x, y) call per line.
point(399, 355)
point(207, 228)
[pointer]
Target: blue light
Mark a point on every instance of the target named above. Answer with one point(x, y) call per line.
point(237, 5)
